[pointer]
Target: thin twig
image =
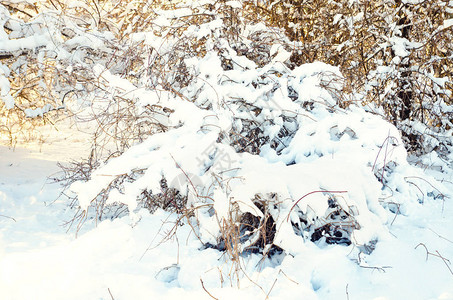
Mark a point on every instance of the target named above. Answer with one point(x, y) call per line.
point(441, 236)
point(427, 252)
point(268, 293)
point(110, 293)
point(202, 284)
point(396, 214)
point(313, 192)
point(379, 152)
point(8, 217)
point(445, 262)
point(385, 156)
point(281, 271)
point(419, 189)
point(417, 177)
point(382, 269)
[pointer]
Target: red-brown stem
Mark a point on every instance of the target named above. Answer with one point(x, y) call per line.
point(313, 192)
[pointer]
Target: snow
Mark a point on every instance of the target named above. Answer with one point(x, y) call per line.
point(5, 87)
point(447, 23)
point(32, 113)
point(234, 4)
point(30, 42)
point(130, 257)
point(35, 252)
point(312, 152)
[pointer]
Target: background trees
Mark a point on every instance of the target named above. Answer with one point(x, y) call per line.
point(396, 57)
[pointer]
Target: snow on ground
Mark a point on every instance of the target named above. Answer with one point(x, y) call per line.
point(130, 257)
point(125, 259)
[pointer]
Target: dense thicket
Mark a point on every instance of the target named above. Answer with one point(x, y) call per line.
point(397, 55)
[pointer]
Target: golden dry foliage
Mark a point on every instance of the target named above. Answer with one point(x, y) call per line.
point(365, 38)
point(56, 67)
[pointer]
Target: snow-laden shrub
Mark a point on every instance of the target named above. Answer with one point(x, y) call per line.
point(396, 54)
point(48, 50)
point(253, 155)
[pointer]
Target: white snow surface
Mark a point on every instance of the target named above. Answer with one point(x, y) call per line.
point(325, 151)
point(129, 259)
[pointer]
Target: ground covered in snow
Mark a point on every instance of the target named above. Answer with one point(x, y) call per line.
point(217, 167)
point(130, 259)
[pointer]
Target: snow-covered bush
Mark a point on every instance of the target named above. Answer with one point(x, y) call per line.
point(203, 111)
point(254, 153)
point(396, 54)
point(48, 50)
